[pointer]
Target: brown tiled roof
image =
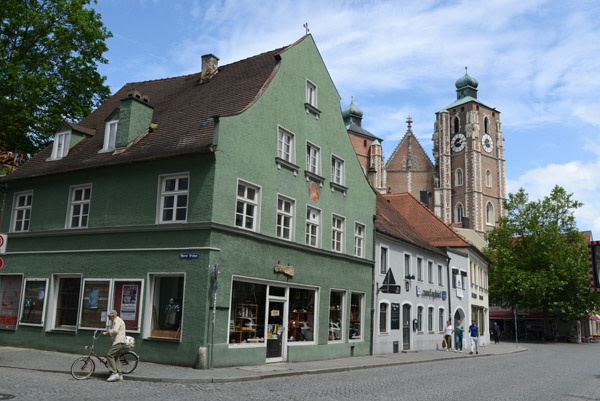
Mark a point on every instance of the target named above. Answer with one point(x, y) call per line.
point(389, 221)
point(184, 110)
point(427, 224)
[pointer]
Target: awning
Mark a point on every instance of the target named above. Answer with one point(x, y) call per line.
point(521, 315)
point(595, 317)
point(501, 315)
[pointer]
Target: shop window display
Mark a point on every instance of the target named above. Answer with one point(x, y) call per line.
point(336, 315)
point(356, 301)
point(34, 299)
point(167, 306)
point(301, 325)
point(95, 304)
point(247, 316)
point(67, 302)
point(10, 295)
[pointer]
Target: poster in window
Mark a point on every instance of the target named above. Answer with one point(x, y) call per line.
point(395, 316)
point(94, 298)
point(10, 296)
point(129, 302)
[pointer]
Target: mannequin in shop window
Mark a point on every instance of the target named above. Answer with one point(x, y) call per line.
point(172, 315)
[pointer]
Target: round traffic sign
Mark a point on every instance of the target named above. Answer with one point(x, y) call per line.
point(1, 263)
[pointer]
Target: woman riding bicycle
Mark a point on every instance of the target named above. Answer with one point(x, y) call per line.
point(117, 335)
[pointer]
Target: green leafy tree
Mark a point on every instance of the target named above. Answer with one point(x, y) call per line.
point(539, 258)
point(49, 54)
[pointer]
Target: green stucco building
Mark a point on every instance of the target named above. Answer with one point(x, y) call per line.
point(244, 169)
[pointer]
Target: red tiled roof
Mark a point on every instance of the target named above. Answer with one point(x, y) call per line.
point(425, 222)
point(389, 221)
point(184, 111)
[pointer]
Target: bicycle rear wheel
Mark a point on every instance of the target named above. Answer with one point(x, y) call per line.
point(83, 368)
point(129, 361)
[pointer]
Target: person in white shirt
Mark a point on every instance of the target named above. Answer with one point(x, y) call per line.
point(448, 335)
point(117, 336)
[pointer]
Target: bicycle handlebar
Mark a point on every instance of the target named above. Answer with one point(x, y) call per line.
point(97, 334)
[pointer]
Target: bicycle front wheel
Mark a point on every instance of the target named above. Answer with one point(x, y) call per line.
point(129, 361)
point(83, 368)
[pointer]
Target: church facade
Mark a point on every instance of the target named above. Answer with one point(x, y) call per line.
point(465, 182)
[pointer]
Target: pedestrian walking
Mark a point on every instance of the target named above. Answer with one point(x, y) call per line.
point(448, 335)
point(117, 336)
point(460, 330)
point(474, 331)
point(496, 329)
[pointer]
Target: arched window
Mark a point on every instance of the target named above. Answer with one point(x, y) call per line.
point(441, 319)
point(430, 319)
point(456, 124)
point(420, 318)
point(460, 213)
point(489, 214)
point(486, 125)
point(488, 178)
point(383, 312)
point(458, 179)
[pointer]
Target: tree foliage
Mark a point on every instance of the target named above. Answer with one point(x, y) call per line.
point(49, 52)
point(539, 258)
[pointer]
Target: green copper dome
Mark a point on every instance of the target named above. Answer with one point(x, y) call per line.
point(466, 80)
point(352, 110)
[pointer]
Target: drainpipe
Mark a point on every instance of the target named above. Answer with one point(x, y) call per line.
point(374, 300)
point(450, 315)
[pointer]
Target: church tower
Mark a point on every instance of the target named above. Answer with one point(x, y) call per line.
point(470, 182)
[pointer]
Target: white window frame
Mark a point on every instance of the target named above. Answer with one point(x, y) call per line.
point(82, 297)
point(440, 275)
point(420, 318)
point(245, 201)
point(459, 213)
point(22, 310)
point(110, 135)
point(458, 177)
point(163, 194)
point(60, 147)
point(338, 170)
point(430, 272)
point(343, 325)
point(310, 223)
point(407, 264)
point(311, 93)
point(24, 209)
point(288, 155)
point(387, 318)
point(147, 326)
point(81, 203)
point(140, 295)
point(384, 256)
point(430, 325)
point(420, 276)
point(359, 239)
point(282, 214)
point(362, 296)
point(53, 299)
point(338, 228)
point(488, 178)
point(490, 218)
point(441, 318)
point(313, 158)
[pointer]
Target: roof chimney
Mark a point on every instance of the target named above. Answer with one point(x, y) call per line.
point(210, 66)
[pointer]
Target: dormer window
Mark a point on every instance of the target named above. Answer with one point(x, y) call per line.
point(61, 144)
point(110, 135)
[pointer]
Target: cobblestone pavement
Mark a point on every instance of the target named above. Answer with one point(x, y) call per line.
point(546, 372)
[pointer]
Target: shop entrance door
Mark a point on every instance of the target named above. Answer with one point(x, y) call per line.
point(405, 327)
point(276, 332)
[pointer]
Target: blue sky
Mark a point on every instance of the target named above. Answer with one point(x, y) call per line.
point(537, 62)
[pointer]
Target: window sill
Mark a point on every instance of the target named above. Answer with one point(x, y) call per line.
point(315, 177)
point(312, 110)
point(339, 187)
point(286, 164)
point(166, 339)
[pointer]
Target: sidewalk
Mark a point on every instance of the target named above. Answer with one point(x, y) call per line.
point(48, 361)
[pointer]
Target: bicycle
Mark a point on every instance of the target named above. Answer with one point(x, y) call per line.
point(84, 366)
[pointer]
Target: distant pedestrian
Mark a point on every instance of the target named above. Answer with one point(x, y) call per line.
point(496, 329)
point(474, 331)
point(448, 335)
point(117, 336)
point(460, 330)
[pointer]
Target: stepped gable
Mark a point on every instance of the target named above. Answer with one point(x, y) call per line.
point(184, 111)
point(425, 222)
point(390, 222)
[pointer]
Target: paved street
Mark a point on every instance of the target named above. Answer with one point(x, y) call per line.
point(545, 372)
